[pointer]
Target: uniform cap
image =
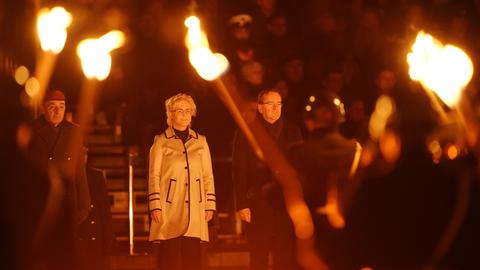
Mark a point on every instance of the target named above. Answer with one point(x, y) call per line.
point(54, 95)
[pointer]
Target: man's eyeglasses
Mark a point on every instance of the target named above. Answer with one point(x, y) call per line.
point(271, 103)
point(183, 111)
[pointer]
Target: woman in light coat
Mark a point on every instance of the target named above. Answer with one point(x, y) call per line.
point(181, 190)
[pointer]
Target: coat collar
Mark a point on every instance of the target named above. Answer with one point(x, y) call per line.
point(170, 134)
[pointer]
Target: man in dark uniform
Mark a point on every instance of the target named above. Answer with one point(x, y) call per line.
point(325, 163)
point(258, 198)
point(95, 234)
point(51, 148)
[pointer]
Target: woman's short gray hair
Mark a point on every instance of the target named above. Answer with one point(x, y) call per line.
point(170, 102)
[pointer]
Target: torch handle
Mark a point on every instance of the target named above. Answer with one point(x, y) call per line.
point(233, 108)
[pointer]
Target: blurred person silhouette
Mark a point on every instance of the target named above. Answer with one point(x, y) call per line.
point(239, 46)
point(181, 190)
point(51, 148)
point(326, 162)
point(356, 120)
point(95, 235)
point(293, 75)
point(385, 84)
point(35, 225)
point(36, 222)
point(259, 200)
point(50, 145)
point(333, 82)
point(279, 42)
point(252, 79)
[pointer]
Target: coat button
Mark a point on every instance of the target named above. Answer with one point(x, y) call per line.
point(93, 238)
point(184, 152)
point(92, 222)
point(91, 205)
point(186, 201)
point(50, 158)
point(186, 167)
point(68, 158)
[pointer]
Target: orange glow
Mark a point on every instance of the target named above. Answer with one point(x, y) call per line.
point(299, 212)
point(21, 75)
point(444, 69)
point(32, 87)
point(390, 146)
point(24, 133)
point(95, 54)
point(52, 28)
point(436, 150)
point(208, 65)
point(452, 152)
point(384, 108)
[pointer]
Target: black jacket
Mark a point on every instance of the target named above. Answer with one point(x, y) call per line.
point(51, 146)
point(250, 175)
point(97, 228)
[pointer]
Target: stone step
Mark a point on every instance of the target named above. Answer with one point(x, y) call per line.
point(101, 129)
point(107, 149)
point(108, 161)
point(102, 139)
point(122, 172)
point(118, 184)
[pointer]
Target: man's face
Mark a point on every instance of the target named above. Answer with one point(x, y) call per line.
point(241, 32)
point(294, 70)
point(386, 81)
point(270, 107)
point(334, 82)
point(181, 115)
point(253, 74)
point(54, 111)
point(278, 26)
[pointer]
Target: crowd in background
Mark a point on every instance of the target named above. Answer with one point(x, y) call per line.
point(354, 48)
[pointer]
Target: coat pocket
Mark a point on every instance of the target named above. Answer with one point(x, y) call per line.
point(199, 190)
point(171, 190)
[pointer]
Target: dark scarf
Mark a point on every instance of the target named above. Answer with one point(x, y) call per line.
point(182, 134)
point(274, 129)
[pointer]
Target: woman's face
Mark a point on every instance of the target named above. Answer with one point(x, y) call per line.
point(181, 114)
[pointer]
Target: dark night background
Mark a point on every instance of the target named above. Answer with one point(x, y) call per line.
point(302, 47)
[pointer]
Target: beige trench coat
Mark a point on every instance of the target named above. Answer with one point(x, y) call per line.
point(181, 185)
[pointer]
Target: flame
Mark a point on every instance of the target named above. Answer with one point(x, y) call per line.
point(52, 28)
point(209, 65)
point(446, 70)
point(95, 54)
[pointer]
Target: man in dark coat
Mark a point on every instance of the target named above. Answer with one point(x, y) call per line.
point(51, 148)
point(95, 234)
point(258, 197)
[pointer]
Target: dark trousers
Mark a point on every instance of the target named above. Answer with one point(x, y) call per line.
point(272, 231)
point(181, 253)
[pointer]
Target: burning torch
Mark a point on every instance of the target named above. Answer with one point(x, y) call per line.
point(52, 32)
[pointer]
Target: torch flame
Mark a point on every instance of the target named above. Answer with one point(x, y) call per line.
point(95, 54)
point(208, 65)
point(52, 28)
point(446, 70)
